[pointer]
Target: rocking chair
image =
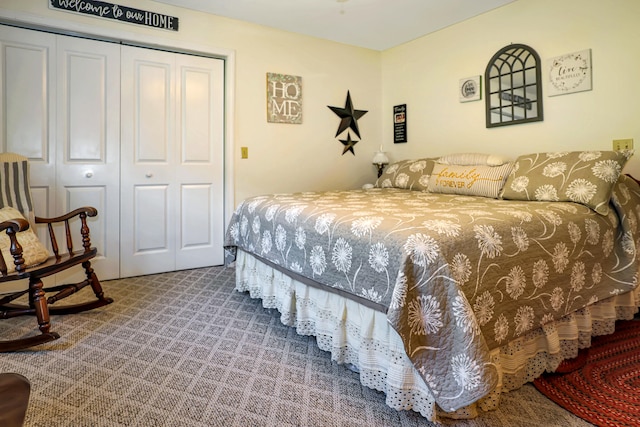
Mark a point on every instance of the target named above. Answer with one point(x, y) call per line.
point(25, 261)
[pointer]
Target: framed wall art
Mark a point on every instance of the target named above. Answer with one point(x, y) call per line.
point(399, 123)
point(284, 98)
point(469, 89)
point(569, 73)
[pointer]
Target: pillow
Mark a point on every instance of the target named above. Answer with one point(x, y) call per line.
point(585, 177)
point(465, 159)
point(407, 174)
point(475, 180)
point(33, 251)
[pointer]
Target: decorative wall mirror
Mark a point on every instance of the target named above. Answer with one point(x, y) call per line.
point(513, 86)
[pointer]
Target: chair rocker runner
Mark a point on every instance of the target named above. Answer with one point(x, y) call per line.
point(24, 258)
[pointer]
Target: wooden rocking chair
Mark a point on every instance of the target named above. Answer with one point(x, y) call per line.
point(25, 261)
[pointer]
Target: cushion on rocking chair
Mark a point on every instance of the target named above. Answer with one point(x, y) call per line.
point(33, 251)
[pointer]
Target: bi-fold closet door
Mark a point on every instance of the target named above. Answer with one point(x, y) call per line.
point(60, 108)
point(172, 161)
point(91, 127)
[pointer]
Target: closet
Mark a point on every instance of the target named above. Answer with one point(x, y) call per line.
point(136, 132)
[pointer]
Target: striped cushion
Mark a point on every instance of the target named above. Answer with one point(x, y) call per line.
point(467, 159)
point(14, 179)
point(485, 181)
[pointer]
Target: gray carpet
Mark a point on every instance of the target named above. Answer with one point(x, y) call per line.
point(186, 349)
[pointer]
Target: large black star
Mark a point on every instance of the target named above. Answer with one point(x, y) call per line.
point(349, 116)
point(348, 144)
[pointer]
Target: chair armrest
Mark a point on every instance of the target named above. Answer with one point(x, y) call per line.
point(88, 210)
point(82, 213)
point(15, 225)
point(12, 227)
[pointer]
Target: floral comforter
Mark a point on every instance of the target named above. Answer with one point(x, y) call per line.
point(457, 275)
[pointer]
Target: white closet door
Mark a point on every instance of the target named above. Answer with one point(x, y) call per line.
point(171, 161)
point(88, 138)
point(27, 108)
point(61, 108)
point(200, 171)
point(148, 194)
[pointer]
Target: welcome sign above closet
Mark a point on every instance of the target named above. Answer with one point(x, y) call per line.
point(106, 10)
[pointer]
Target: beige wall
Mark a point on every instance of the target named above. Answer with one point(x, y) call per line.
point(282, 157)
point(424, 74)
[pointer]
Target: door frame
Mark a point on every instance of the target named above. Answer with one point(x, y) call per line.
point(71, 28)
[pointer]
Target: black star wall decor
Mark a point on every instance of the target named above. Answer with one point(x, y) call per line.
point(348, 120)
point(348, 144)
point(349, 117)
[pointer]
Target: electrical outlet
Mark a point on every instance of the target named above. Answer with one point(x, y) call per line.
point(623, 144)
point(244, 152)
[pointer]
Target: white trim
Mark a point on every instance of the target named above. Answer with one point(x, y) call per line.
point(73, 28)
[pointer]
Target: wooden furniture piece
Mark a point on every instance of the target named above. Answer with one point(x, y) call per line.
point(15, 390)
point(15, 193)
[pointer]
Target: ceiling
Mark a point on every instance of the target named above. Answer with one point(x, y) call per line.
point(373, 24)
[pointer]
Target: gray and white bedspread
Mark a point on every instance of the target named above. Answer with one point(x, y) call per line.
point(458, 275)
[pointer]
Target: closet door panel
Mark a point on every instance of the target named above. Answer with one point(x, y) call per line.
point(25, 99)
point(152, 210)
point(88, 135)
point(196, 210)
point(85, 81)
point(200, 170)
point(196, 114)
point(27, 110)
point(149, 196)
point(153, 111)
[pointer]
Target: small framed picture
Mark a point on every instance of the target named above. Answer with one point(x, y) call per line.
point(469, 89)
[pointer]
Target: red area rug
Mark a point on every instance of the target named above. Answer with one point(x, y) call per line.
point(604, 388)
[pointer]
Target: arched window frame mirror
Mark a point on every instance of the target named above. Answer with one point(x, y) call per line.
point(513, 86)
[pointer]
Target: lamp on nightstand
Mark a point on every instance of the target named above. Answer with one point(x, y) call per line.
point(380, 159)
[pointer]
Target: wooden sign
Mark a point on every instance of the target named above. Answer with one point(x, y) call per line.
point(106, 10)
point(284, 98)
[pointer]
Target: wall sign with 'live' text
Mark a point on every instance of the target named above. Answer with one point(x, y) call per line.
point(106, 10)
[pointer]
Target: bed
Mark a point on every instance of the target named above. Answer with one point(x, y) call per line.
point(454, 279)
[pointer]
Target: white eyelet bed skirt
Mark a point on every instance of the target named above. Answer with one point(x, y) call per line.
point(362, 337)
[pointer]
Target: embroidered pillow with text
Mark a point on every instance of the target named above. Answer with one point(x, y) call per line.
point(473, 180)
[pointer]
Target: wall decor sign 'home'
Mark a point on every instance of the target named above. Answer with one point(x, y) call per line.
point(106, 10)
point(284, 98)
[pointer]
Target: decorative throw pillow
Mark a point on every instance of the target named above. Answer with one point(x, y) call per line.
point(585, 177)
point(407, 174)
point(465, 159)
point(33, 251)
point(474, 180)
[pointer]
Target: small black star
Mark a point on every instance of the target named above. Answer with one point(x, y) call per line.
point(349, 116)
point(348, 144)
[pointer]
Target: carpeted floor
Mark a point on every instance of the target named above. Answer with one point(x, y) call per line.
point(185, 349)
